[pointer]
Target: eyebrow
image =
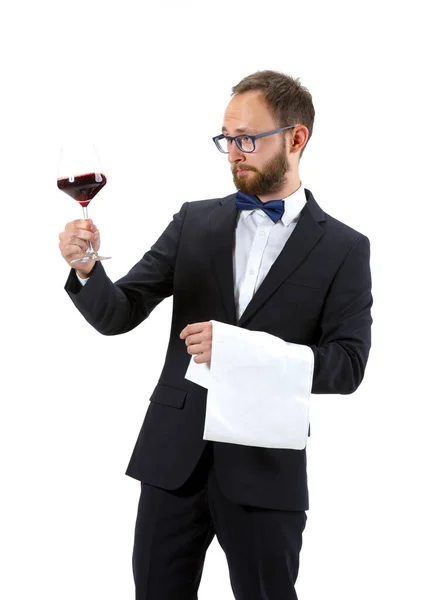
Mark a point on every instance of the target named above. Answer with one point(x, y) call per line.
point(240, 130)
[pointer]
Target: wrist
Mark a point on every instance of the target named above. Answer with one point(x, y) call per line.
point(82, 274)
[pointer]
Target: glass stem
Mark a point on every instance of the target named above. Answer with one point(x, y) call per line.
point(89, 249)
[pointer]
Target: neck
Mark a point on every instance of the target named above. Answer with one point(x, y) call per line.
point(286, 189)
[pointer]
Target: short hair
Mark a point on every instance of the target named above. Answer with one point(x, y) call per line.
point(289, 102)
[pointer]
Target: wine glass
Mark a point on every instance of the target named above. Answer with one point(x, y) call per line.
point(80, 175)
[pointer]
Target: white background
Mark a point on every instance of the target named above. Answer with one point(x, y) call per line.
point(149, 84)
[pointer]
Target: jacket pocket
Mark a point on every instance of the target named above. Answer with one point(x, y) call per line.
point(169, 396)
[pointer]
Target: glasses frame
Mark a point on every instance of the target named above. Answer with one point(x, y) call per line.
point(253, 138)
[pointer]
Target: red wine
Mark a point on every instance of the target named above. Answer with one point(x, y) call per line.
point(82, 187)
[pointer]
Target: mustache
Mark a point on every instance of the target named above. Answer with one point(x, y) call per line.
point(236, 168)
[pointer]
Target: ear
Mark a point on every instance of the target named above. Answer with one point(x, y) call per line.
point(298, 138)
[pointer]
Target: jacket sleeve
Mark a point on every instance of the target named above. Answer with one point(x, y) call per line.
point(114, 308)
point(341, 355)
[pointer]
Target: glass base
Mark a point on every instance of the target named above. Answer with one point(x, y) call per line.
point(89, 257)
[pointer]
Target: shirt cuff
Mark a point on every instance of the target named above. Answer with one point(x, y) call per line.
point(82, 281)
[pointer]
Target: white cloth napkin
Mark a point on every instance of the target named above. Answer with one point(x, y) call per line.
point(258, 389)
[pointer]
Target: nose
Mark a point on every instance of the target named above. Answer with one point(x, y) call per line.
point(234, 153)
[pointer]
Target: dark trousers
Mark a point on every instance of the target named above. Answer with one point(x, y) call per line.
point(174, 529)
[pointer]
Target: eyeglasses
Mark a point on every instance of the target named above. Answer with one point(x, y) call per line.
point(245, 143)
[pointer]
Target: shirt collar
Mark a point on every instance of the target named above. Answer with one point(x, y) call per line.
point(294, 204)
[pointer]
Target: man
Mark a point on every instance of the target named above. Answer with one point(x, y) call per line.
point(265, 259)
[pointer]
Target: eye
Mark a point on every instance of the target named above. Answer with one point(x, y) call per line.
point(246, 143)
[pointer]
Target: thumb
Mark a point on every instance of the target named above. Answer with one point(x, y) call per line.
point(96, 241)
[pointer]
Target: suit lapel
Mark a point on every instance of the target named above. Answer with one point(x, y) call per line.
point(304, 237)
point(223, 221)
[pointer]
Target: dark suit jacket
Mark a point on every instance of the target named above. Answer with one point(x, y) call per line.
point(317, 293)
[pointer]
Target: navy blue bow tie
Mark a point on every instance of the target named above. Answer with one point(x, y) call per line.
point(274, 208)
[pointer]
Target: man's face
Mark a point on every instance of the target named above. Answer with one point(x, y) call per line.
point(264, 170)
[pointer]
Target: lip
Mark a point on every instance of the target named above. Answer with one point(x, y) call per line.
point(241, 171)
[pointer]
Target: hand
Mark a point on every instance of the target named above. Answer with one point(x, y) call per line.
point(73, 242)
point(198, 341)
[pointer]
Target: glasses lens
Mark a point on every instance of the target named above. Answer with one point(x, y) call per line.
point(222, 145)
point(246, 143)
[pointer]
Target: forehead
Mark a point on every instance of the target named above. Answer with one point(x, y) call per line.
point(248, 111)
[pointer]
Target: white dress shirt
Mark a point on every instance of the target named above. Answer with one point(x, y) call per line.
point(258, 242)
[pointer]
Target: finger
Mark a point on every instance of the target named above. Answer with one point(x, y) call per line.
point(96, 241)
point(66, 238)
point(72, 249)
point(73, 257)
point(83, 223)
point(196, 349)
point(78, 224)
point(197, 338)
point(83, 234)
point(193, 328)
point(75, 241)
point(204, 336)
point(80, 237)
point(202, 358)
point(183, 332)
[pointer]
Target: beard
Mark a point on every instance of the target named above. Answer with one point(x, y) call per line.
point(266, 181)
